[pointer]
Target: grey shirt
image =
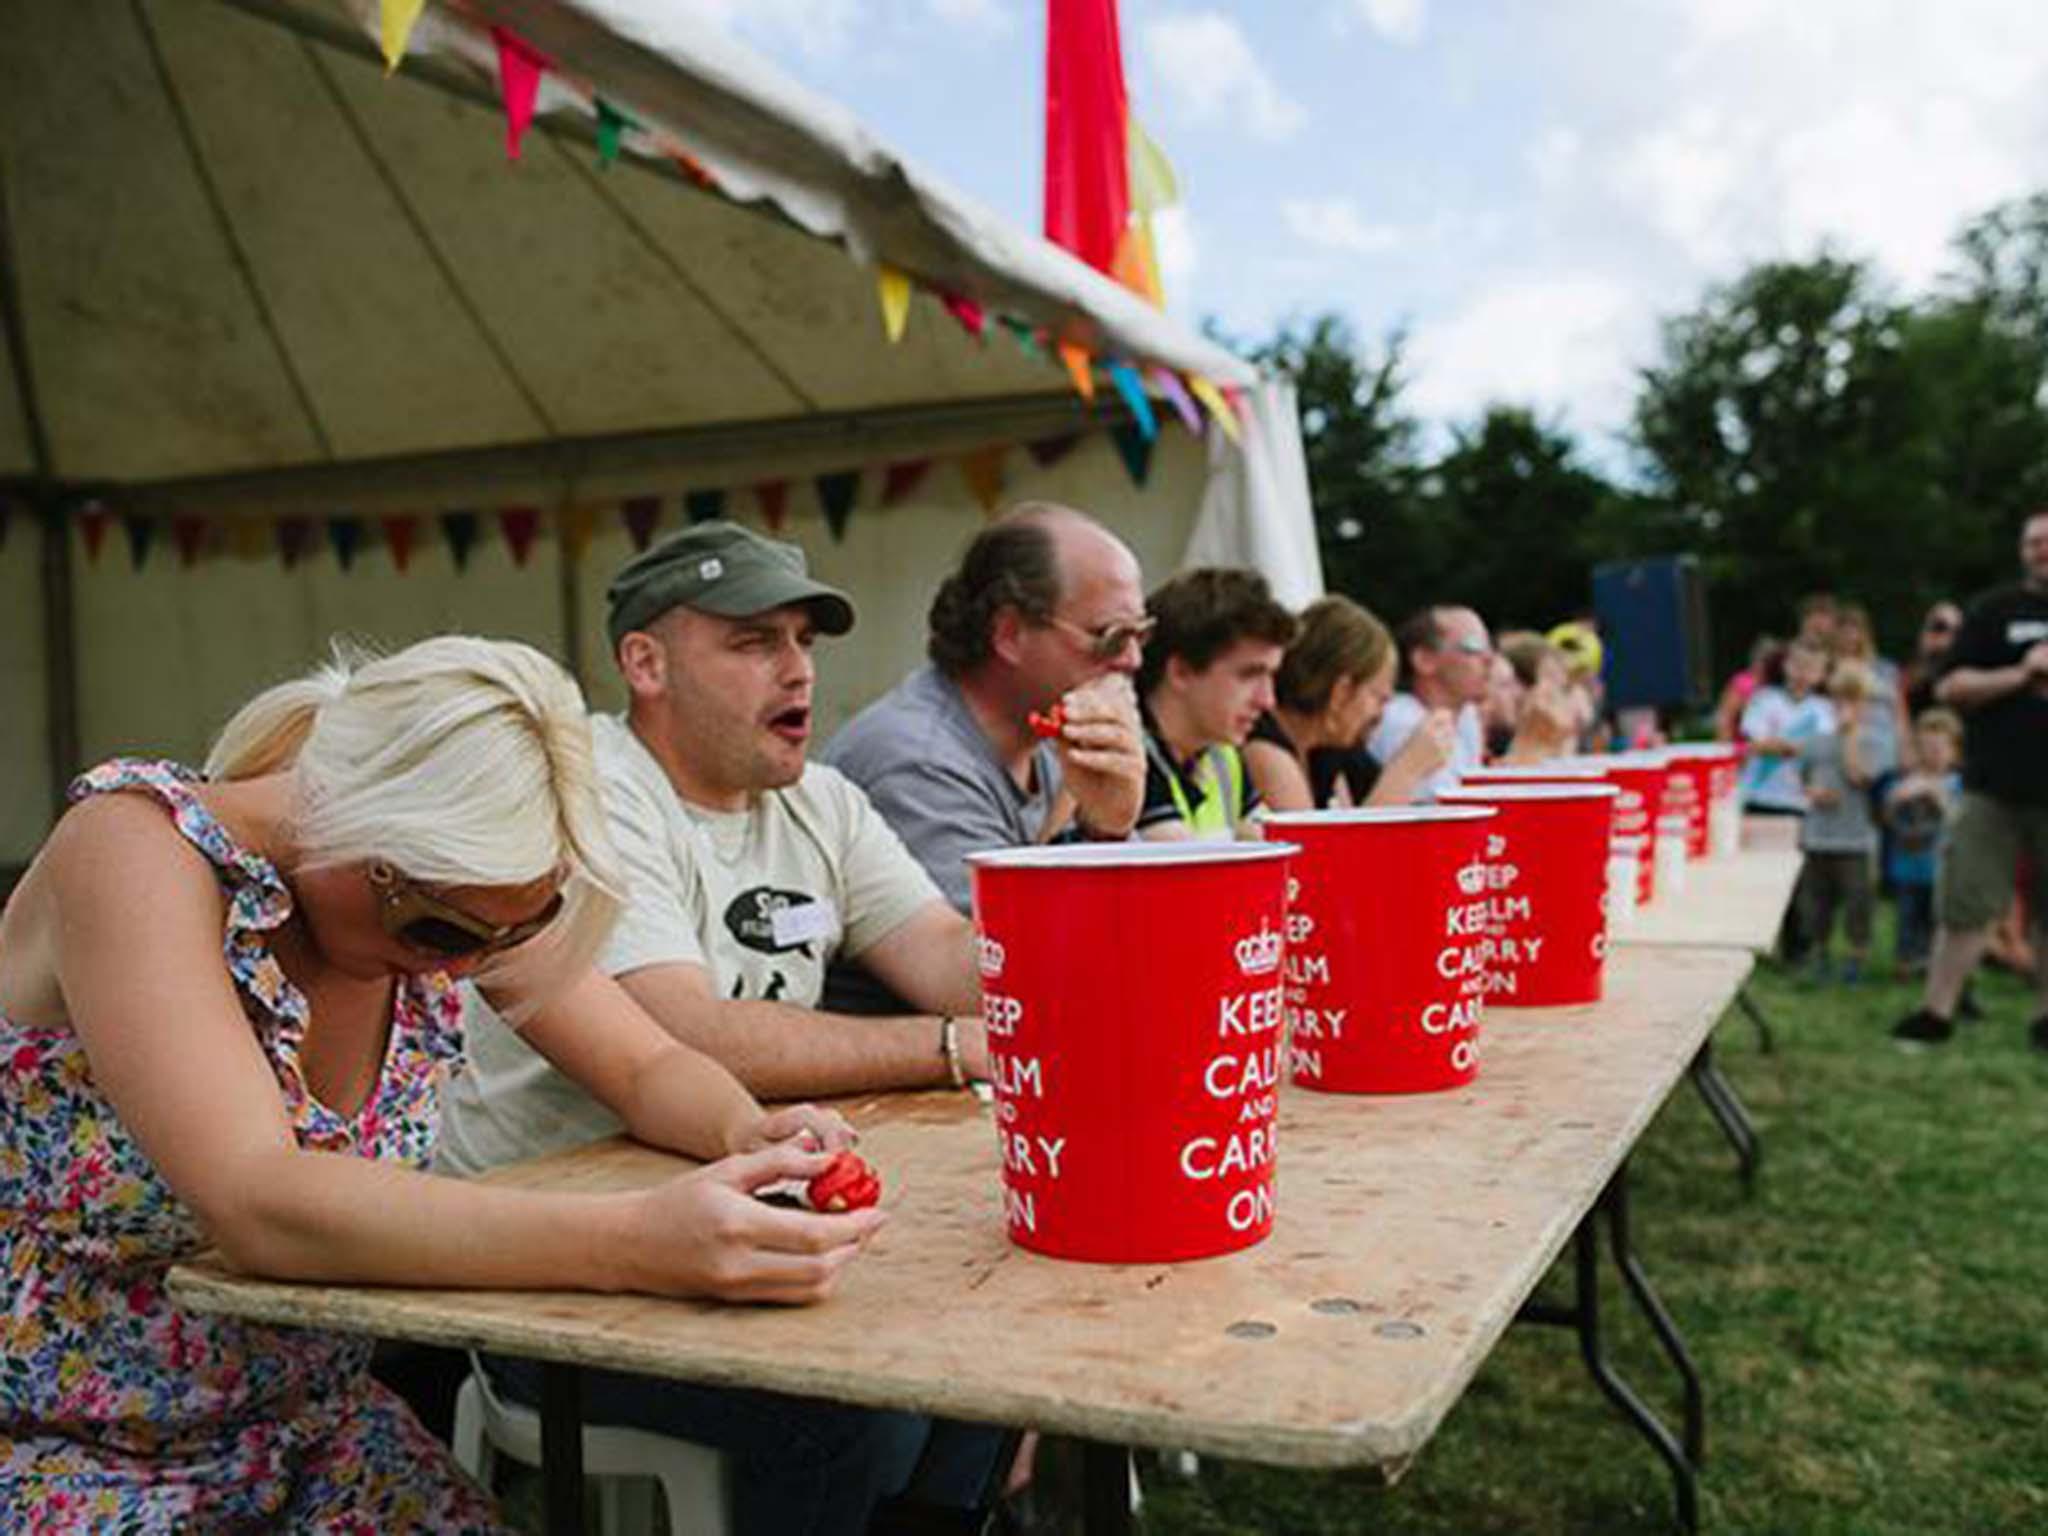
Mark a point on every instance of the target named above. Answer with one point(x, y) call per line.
point(1847, 825)
point(924, 761)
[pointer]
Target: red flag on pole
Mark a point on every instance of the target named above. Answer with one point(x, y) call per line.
point(1087, 138)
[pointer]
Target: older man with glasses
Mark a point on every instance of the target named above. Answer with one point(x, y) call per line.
point(1446, 662)
point(1023, 727)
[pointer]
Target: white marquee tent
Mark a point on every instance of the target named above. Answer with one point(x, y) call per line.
point(245, 278)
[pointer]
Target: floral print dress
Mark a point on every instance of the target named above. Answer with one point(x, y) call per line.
point(120, 1412)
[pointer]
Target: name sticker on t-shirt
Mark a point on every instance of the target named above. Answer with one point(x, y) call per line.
point(2026, 631)
point(808, 922)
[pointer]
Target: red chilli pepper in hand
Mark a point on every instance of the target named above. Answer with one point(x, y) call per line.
point(847, 1184)
point(1050, 724)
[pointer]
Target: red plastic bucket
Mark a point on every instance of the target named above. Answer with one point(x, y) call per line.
point(1386, 967)
point(1637, 809)
point(1715, 768)
point(1545, 906)
point(1132, 993)
point(1633, 832)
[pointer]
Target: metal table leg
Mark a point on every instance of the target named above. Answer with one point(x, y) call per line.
point(1766, 1041)
point(1722, 1102)
point(1584, 1317)
point(561, 1446)
point(1106, 1489)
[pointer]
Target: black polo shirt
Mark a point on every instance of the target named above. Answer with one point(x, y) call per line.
point(2005, 742)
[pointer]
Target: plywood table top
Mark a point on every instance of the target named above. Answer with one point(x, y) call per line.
point(1736, 901)
point(1409, 1231)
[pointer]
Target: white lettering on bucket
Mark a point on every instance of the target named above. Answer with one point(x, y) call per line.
point(1249, 1013)
point(1307, 1065)
point(1453, 961)
point(1464, 1053)
point(1249, 1207)
point(1259, 1109)
point(1307, 970)
point(1200, 1159)
point(1017, 1153)
point(1314, 1023)
point(1442, 1018)
point(1052, 1150)
point(1226, 1079)
point(1299, 926)
point(1016, 1075)
point(1020, 1209)
point(1001, 1014)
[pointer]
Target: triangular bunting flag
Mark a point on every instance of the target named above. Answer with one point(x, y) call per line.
point(345, 537)
point(900, 479)
point(521, 526)
point(188, 536)
point(141, 533)
point(1218, 408)
point(520, 66)
point(1135, 449)
point(93, 519)
point(611, 131)
point(972, 317)
point(1048, 451)
point(394, 29)
point(642, 515)
point(399, 533)
point(1076, 360)
point(691, 167)
point(836, 492)
point(1132, 388)
point(293, 535)
point(703, 506)
point(1168, 383)
point(774, 498)
point(576, 526)
point(251, 538)
point(893, 289)
point(983, 472)
point(459, 529)
point(1027, 339)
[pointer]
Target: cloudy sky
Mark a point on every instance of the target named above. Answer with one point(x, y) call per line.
point(1526, 185)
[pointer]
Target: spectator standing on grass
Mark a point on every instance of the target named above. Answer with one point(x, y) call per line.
point(1886, 718)
point(1930, 653)
point(1766, 659)
point(1838, 834)
point(1915, 807)
point(1778, 721)
point(1997, 680)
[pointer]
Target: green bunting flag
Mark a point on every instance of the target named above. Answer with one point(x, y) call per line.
point(836, 493)
point(344, 537)
point(141, 533)
point(611, 131)
point(458, 530)
point(1135, 449)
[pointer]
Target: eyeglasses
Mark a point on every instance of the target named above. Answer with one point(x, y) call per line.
point(1108, 641)
point(417, 917)
point(1939, 626)
point(1467, 647)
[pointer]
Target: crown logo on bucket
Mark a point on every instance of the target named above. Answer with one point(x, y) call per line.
point(988, 956)
point(1472, 878)
point(1259, 955)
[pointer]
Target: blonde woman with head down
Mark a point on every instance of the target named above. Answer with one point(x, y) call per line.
point(1333, 684)
point(226, 1003)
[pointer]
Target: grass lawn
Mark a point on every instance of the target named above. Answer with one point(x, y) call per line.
point(1872, 1327)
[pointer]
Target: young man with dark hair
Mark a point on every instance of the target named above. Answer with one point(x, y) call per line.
point(1218, 638)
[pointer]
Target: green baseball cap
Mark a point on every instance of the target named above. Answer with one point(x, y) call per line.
point(722, 568)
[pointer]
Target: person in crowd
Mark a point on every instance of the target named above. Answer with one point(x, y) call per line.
point(1578, 641)
point(1549, 714)
point(1930, 652)
point(1837, 834)
point(1766, 665)
point(1502, 706)
point(1446, 658)
point(1778, 720)
point(1308, 753)
point(1915, 808)
point(227, 1004)
point(1997, 680)
point(747, 870)
point(1046, 611)
point(1206, 680)
point(1886, 719)
point(1817, 614)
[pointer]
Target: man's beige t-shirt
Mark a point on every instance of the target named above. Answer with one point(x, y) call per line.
point(762, 899)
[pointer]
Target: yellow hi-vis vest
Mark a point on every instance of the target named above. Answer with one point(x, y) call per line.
point(1219, 779)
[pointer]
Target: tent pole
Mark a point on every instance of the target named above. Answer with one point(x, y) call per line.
point(60, 644)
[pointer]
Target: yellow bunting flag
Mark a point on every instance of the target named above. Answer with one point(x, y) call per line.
point(250, 538)
point(983, 472)
point(1078, 369)
point(1219, 408)
point(575, 526)
point(894, 290)
point(395, 28)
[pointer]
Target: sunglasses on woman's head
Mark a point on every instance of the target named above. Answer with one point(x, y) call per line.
point(416, 917)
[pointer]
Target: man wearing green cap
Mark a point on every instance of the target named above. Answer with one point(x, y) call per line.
point(749, 869)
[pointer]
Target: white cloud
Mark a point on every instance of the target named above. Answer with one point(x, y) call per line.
point(818, 28)
point(1398, 21)
point(1205, 64)
point(1334, 223)
point(1179, 249)
point(1558, 342)
point(1554, 158)
point(987, 16)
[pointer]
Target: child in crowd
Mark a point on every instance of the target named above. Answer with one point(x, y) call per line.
point(1777, 723)
point(1915, 808)
point(1835, 767)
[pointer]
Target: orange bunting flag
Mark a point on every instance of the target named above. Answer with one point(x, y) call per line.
point(249, 537)
point(893, 288)
point(520, 66)
point(395, 26)
point(93, 520)
point(983, 472)
point(576, 526)
point(399, 532)
point(1212, 398)
point(1079, 370)
point(774, 498)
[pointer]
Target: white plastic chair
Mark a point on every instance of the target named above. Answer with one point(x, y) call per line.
point(627, 1465)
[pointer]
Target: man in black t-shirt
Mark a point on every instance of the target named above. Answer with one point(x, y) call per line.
point(1997, 677)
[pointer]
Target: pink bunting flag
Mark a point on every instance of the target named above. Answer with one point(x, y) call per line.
point(1168, 383)
point(972, 317)
point(520, 67)
point(520, 525)
point(901, 478)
